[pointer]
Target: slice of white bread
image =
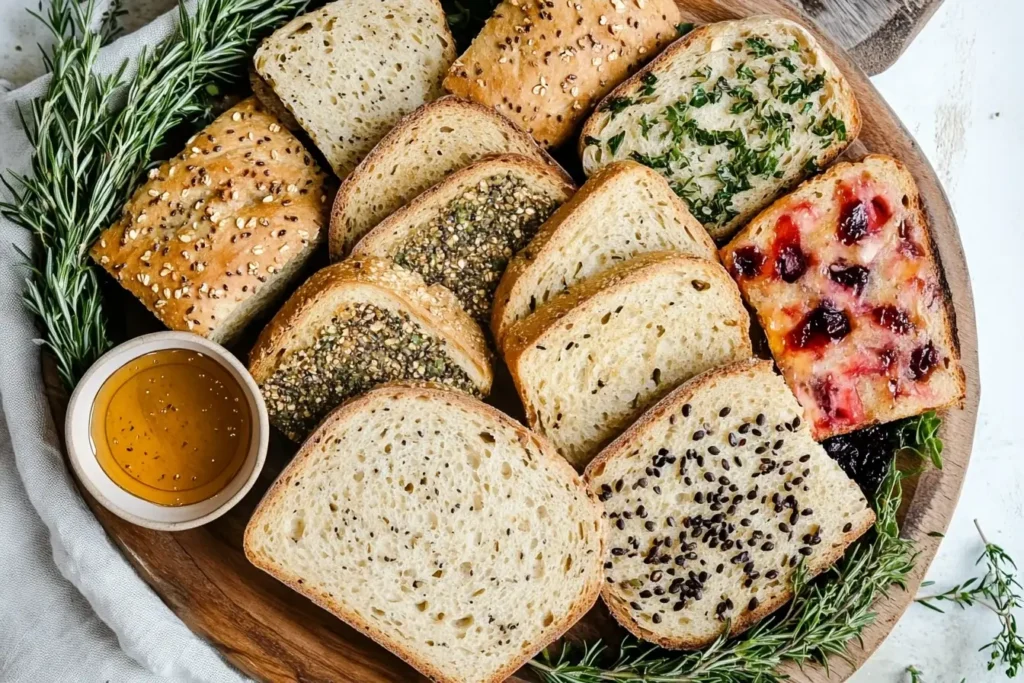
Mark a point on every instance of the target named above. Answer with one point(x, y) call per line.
point(623, 210)
point(592, 360)
point(351, 69)
point(462, 232)
point(714, 497)
point(425, 147)
point(437, 526)
point(357, 324)
point(732, 114)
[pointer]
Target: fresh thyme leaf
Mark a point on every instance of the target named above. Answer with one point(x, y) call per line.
point(649, 80)
point(617, 105)
point(758, 47)
point(684, 28)
point(614, 142)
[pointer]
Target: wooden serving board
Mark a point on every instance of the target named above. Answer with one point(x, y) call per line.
point(273, 634)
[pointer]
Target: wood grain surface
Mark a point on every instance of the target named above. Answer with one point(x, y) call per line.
point(273, 634)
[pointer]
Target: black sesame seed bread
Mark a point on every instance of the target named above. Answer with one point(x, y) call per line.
point(437, 526)
point(351, 69)
point(357, 324)
point(714, 497)
point(462, 232)
point(592, 360)
point(623, 210)
point(732, 114)
point(426, 146)
point(216, 234)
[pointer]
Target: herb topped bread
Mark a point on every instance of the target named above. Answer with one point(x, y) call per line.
point(845, 281)
point(357, 324)
point(215, 235)
point(437, 526)
point(715, 499)
point(732, 114)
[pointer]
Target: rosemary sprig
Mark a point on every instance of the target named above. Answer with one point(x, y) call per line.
point(915, 675)
point(920, 435)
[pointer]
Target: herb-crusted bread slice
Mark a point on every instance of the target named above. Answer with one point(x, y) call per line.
point(715, 498)
point(437, 526)
point(592, 360)
point(462, 232)
point(623, 210)
point(732, 114)
point(351, 69)
point(355, 325)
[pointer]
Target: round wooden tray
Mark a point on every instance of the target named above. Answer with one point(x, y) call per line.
point(274, 634)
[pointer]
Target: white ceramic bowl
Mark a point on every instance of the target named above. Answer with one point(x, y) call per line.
point(131, 507)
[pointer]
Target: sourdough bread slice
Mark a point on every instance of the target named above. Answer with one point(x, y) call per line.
point(623, 210)
point(732, 114)
point(351, 69)
point(714, 498)
point(357, 324)
point(437, 526)
point(425, 147)
point(462, 232)
point(592, 360)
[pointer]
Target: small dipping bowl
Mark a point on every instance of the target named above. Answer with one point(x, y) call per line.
point(78, 426)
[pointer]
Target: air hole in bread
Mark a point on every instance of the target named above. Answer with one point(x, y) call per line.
point(298, 529)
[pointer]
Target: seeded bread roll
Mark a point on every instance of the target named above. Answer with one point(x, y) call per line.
point(544, 64)
point(216, 234)
point(462, 232)
point(437, 526)
point(714, 497)
point(624, 210)
point(357, 324)
point(590, 361)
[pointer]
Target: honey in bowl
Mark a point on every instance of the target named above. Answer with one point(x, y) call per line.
point(172, 427)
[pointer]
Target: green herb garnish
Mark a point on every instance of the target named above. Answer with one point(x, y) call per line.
point(801, 89)
point(590, 140)
point(649, 80)
point(683, 29)
point(743, 71)
point(614, 142)
point(646, 125)
point(758, 47)
point(830, 126)
point(616, 105)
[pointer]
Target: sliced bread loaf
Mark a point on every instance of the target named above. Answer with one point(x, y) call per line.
point(462, 232)
point(623, 210)
point(425, 147)
point(732, 114)
point(714, 498)
point(351, 69)
point(590, 361)
point(437, 526)
point(358, 324)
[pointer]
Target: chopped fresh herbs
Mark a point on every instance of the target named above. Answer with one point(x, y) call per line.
point(590, 140)
point(703, 73)
point(758, 47)
point(788, 64)
point(801, 88)
point(649, 80)
point(795, 45)
point(616, 105)
point(744, 100)
point(743, 71)
point(811, 166)
point(646, 125)
point(685, 28)
point(614, 142)
point(830, 127)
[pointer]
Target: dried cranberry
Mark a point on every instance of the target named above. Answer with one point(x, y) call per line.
point(892, 318)
point(853, 222)
point(747, 261)
point(791, 263)
point(822, 325)
point(851, 277)
point(922, 360)
point(881, 210)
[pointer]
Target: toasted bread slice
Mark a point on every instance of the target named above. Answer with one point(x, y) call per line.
point(437, 526)
point(357, 324)
point(714, 498)
point(592, 360)
point(732, 114)
point(845, 280)
point(623, 210)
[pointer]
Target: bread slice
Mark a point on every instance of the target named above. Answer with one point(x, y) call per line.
point(351, 69)
point(270, 101)
point(590, 361)
point(462, 232)
point(623, 210)
point(845, 280)
point(732, 115)
point(437, 526)
point(357, 324)
point(425, 147)
point(714, 498)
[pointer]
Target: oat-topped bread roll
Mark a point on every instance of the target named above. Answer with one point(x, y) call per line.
point(543, 64)
point(215, 235)
point(714, 498)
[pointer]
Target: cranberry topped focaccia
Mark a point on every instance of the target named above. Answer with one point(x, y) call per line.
point(844, 280)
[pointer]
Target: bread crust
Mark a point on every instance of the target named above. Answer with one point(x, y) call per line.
point(270, 101)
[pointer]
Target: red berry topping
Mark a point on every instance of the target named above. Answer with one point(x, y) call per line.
point(853, 222)
point(851, 277)
point(822, 325)
point(748, 261)
point(791, 263)
point(922, 360)
point(892, 318)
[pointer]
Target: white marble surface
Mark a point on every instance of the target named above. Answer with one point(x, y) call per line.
point(960, 91)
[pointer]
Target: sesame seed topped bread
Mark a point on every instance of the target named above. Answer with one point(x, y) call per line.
point(623, 210)
point(732, 114)
point(592, 360)
point(714, 498)
point(437, 526)
point(357, 324)
point(846, 283)
point(351, 69)
point(215, 235)
point(543, 64)
point(426, 146)
point(462, 232)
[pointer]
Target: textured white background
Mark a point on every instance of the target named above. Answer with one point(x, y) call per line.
point(960, 91)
